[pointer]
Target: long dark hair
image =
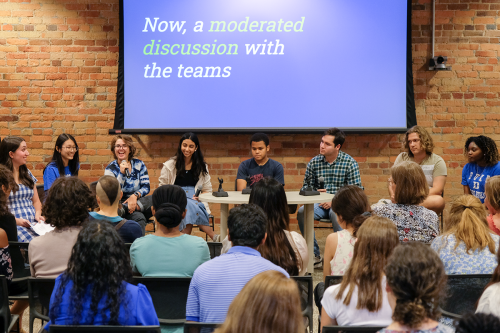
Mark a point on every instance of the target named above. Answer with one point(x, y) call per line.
point(351, 202)
point(98, 266)
point(11, 144)
point(169, 202)
point(270, 195)
point(7, 181)
point(198, 167)
point(57, 159)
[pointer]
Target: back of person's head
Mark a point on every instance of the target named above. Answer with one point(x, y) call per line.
point(258, 137)
point(270, 195)
point(169, 203)
point(108, 190)
point(417, 279)
point(99, 264)
point(11, 144)
point(425, 140)
point(339, 136)
point(467, 222)
point(68, 203)
point(350, 202)
point(377, 238)
point(478, 323)
point(411, 185)
point(7, 184)
point(269, 303)
point(492, 189)
point(247, 225)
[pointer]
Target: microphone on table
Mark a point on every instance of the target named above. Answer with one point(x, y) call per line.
point(321, 183)
point(198, 190)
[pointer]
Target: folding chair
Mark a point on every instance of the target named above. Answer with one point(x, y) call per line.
point(215, 249)
point(39, 292)
point(305, 284)
point(8, 320)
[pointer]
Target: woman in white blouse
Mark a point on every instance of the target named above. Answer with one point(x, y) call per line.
point(490, 299)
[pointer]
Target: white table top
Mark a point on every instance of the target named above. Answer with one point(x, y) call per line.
point(293, 197)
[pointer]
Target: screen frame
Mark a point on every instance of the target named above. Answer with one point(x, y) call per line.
point(119, 121)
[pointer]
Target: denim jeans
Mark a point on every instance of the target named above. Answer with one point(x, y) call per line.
point(319, 213)
point(142, 217)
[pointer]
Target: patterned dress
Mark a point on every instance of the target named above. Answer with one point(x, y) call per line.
point(343, 253)
point(414, 223)
point(6, 264)
point(458, 261)
point(21, 206)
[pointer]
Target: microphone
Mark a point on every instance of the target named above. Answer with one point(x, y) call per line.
point(198, 190)
point(127, 173)
point(321, 183)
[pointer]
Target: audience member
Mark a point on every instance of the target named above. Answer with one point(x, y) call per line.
point(361, 298)
point(176, 254)
point(260, 165)
point(478, 323)
point(268, 303)
point(416, 285)
point(189, 170)
point(414, 222)
point(108, 195)
point(468, 246)
point(419, 145)
point(24, 204)
point(134, 180)
point(94, 289)
point(490, 299)
point(65, 160)
point(66, 209)
point(492, 202)
point(350, 203)
point(482, 154)
point(216, 282)
point(11, 257)
point(282, 247)
point(337, 169)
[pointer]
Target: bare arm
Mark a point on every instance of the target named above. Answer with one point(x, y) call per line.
point(241, 184)
point(38, 206)
point(327, 321)
point(437, 185)
point(467, 189)
point(330, 249)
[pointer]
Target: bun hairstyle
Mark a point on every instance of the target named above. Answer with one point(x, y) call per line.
point(351, 202)
point(170, 203)
point(168, 215)
point(418, 281)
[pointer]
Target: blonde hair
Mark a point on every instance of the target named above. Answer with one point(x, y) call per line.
point(467, 222)
point(492, 189)
point(269, 303)
point(377, 238)
point(425, 140)
point(411, 185)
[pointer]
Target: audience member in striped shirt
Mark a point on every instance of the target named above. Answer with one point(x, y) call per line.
point(216, 282)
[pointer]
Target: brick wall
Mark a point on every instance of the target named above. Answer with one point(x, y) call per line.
point(58, 69)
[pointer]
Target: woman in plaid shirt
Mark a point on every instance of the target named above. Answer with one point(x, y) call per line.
point(25, 204)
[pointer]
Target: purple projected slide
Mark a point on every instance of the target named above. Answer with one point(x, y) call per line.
point(227, 64)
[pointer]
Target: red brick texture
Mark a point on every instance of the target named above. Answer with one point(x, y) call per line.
point(58, 70)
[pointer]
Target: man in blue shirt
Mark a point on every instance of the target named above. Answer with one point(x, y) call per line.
point(108, 195)
point(338, 169)
point(259, 166)
point(216, 282)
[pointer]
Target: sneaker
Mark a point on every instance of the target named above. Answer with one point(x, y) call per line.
point(216, 238)
point(318, 261)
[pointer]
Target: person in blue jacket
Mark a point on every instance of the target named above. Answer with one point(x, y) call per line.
point(65, 160)
point(93, 290)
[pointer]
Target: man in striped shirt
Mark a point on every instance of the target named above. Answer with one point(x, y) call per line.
point(216, 282)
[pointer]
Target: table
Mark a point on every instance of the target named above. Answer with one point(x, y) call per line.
point(235, 197)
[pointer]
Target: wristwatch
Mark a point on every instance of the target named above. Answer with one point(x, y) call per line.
point(137, 195)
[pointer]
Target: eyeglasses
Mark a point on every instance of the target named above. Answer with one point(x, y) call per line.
point(120, 147)
point(71, 148)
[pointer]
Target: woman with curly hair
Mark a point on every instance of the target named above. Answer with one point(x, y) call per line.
point(189, 170)
point(361, 299)
point(269, 302)
point(94, 289)
point(65, 160)
point(416, 285)
point(482, 154)
point(468, 246)
point(414, 222)
point(24, 204)
point(66, 209)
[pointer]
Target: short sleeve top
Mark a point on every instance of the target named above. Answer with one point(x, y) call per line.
point(475, 177)
point(21, 203)
point(433, 166)
point(255, 172)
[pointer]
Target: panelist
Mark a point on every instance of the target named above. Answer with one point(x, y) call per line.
point(259, 166)
point(338, 169)
point(419, 147)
